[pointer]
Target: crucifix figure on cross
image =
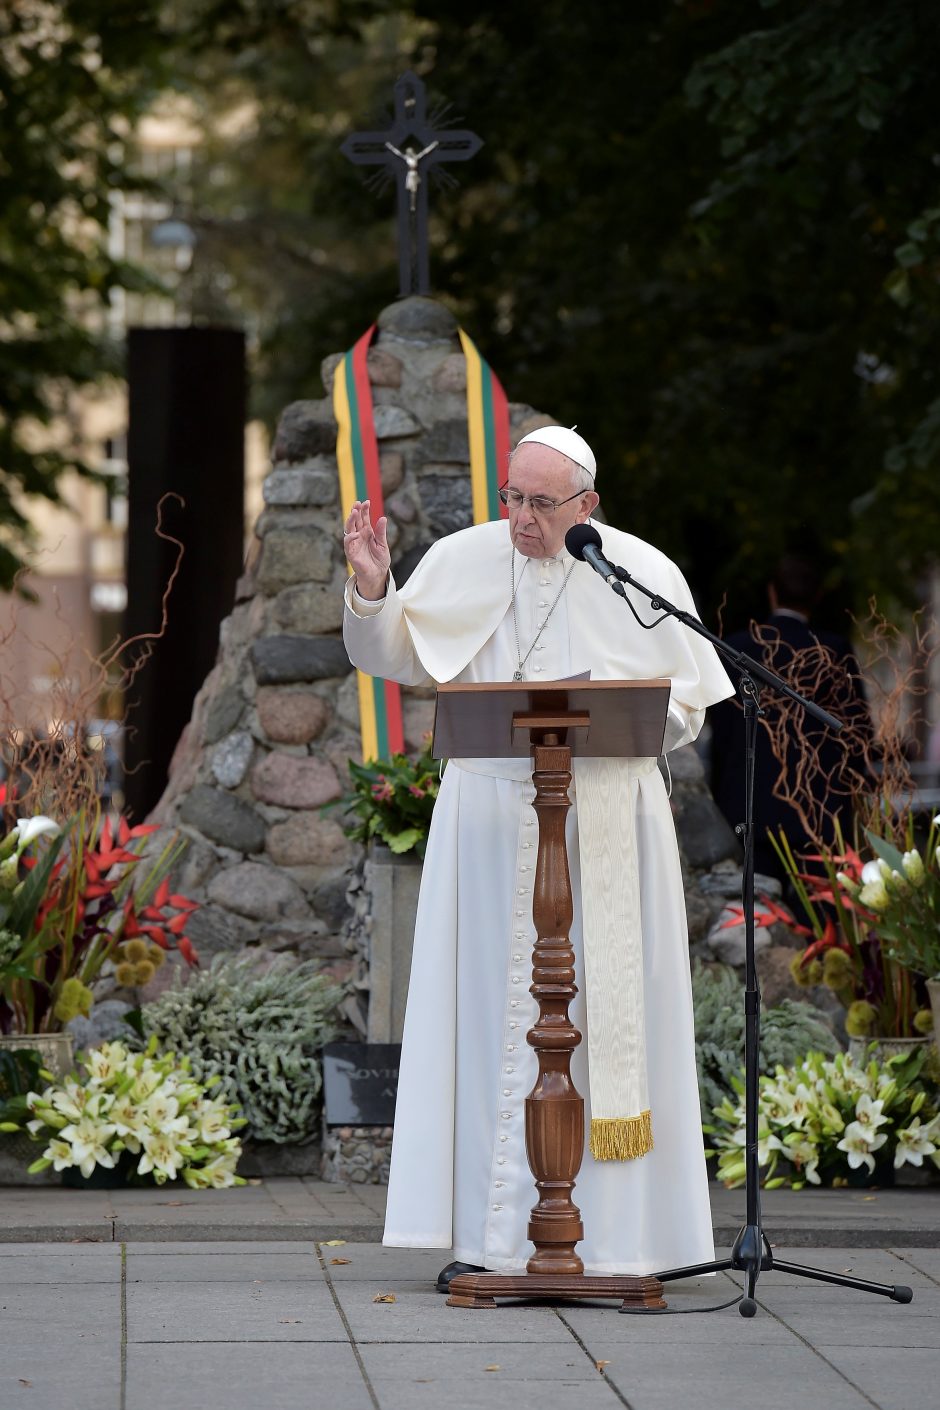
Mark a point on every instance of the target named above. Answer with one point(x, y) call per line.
point(409, 150)
point(411, 158)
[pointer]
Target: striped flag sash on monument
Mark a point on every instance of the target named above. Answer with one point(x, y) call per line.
point(357, 454)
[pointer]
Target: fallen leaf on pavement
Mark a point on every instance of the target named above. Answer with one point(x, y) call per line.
point(25, 1383)
point(384, 1297)
point(340, 1260)
point(333, 1243)
point(492, 1368)
point(601, 1364)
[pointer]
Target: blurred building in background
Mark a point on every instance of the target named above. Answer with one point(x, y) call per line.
point(77, 594)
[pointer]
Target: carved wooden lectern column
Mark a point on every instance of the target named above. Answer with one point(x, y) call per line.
point(594, 719)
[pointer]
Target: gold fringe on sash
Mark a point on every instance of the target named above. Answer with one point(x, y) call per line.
point(622, 1137)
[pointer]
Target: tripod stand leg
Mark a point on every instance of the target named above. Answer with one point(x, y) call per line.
point(898, 1292)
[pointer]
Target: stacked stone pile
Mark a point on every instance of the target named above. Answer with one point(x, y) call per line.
point(277, 718)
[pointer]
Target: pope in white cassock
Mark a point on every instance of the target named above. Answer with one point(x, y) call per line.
point(495, 602)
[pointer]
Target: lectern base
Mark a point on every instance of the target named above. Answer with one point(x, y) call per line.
point(482, 1289)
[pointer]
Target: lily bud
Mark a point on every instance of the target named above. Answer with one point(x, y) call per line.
point(914, 868)
point(875, 895)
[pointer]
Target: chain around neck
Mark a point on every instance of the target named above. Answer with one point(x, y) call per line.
point(519, 673)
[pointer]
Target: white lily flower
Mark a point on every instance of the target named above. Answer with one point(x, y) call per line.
point(868, 1113)
point(127, 1118)
point(219, 1174)
point(70, 1099)
point(913, 1144)
point(88, 1139)
point(858, 1143)
point(871, 871)
point(60, 1153)
point(212, 1122)
point(160, 1155)
point(29, 829)
point(105, 1063)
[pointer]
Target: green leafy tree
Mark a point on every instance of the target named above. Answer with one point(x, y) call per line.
point(705, 232)
point(73, 76)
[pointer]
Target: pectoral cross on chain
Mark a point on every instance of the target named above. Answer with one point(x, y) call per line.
point(408, 150)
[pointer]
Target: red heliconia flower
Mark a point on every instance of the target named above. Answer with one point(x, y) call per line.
point(766, 912)
point(187, 950)
point(829, 940)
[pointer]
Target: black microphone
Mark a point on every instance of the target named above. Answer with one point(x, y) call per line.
point(584, 542)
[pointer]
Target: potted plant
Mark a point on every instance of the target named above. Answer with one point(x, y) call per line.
point(128, 1113)
point(848, 949)
point(73, 899)
point(902, 893)
point(391, 801)
point(833, 1121)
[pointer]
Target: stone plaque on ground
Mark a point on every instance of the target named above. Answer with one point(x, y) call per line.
point(360, 1083)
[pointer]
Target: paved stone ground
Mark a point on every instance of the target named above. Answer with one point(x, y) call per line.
point(264, 1298)
point(286, 1325)
point(294, 1207)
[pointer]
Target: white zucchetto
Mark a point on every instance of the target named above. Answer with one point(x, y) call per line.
point(568, 442)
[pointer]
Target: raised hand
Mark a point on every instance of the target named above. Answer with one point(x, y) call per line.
point(366, 547)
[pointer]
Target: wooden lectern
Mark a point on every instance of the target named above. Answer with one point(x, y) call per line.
point(552, 723)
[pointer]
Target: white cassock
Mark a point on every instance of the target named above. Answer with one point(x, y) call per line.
point(459, 1175)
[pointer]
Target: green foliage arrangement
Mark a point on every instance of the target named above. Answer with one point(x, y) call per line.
point(392, 800)
point(833, 1122)
point(259, 1033)
point(788, 1030)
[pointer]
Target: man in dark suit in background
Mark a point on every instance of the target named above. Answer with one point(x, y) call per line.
point(835, 684)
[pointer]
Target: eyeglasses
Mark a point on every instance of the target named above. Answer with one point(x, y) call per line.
point(540, 503)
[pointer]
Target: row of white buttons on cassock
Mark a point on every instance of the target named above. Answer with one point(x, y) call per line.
point(521, 963)
point(544, 581)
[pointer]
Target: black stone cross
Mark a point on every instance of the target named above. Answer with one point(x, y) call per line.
point(408, 150)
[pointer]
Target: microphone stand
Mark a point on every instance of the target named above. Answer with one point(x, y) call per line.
point(751, 1252)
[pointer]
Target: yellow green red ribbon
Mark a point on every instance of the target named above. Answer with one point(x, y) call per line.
point(357, 453)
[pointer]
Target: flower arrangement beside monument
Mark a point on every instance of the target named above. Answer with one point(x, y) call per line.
point(833, 1121)
point(73, 898)
point(144, 1108)
point(855, 909)
point(392, 800)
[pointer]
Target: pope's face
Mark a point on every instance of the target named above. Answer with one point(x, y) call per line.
point(539, 470)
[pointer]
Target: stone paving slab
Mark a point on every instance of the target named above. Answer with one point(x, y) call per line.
point(419, 1315)
point(207, 1311)
point(79, 1311)
point(488, 1375)
point(903, 1380)
point(80, 1374)
point(245, 1375)
point(757, 1376)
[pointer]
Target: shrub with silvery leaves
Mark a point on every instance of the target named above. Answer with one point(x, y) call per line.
point(259, 1032)
point(787, 1031)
